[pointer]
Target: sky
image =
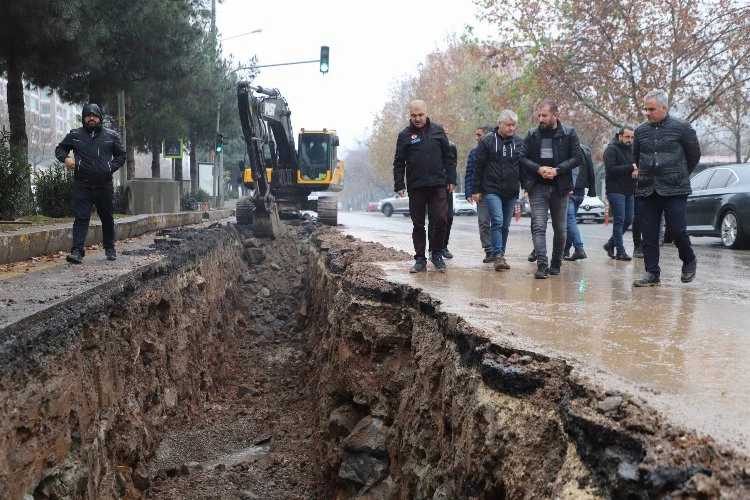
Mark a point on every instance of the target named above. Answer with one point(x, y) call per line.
point(372, 45)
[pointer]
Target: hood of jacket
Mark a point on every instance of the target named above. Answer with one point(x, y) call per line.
point(91, 109)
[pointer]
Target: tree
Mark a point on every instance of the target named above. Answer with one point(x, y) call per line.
point(600, 57)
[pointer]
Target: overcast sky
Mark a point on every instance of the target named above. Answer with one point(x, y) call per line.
point(372, 44)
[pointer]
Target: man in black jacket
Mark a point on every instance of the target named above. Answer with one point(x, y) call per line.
point(620, 176)
point(495, 180)
point(666, 151)
point(423, 155)
point(549, 154)
point(98, 154)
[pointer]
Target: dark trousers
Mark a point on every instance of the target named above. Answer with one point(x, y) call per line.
point(449, 223)
point(84, 197)
point(650, 210)
point(636, 227)
point(431, 199)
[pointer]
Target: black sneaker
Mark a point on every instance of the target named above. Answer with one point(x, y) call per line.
point(648, 279)
point(542, 271)
point(447, 254)
point(438, 262)
point(420, 266)
point(532, 256)
point(488, 257)
point(610, 249)
point(623, 256)
point(75, 257)
point(577, 255)
point(110, 254)
point(637, 253)
point(688, 271)
point(554, 268)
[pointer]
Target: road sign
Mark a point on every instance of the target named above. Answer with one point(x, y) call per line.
point(172, 148)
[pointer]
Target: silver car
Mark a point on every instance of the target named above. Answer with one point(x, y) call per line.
point(395, 205)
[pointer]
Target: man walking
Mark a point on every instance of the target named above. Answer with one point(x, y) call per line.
point(620, 176)
point(483, 213)
point(549, 154)
point(496, 180)
point(423, 156)
point(666, 151)
point(449, 223)
point(583, 180)
point(98, 154)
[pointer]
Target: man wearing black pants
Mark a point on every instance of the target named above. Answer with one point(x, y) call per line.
point(424, 157)
point(98, 154)
point(666, 151)
point(449, 224)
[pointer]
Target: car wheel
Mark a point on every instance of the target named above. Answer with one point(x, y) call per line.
point(731, 231)
point(387, 210)
point(407, 214)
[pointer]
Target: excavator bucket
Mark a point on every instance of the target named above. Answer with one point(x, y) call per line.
point(266, 220)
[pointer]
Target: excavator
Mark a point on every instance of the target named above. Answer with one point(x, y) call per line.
point(283, 179)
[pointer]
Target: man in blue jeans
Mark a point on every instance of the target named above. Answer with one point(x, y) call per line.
point(666, 151)
point(549, 154)
point(496, 180)
point(620, 177)
point(424, 157)
point(583, 180)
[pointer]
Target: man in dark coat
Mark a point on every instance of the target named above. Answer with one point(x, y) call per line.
point(98, 154)
point(666, 151)
point(549, 154)
point(583, 183)
point(496, 180)
point(424, 157)
point(620, 178)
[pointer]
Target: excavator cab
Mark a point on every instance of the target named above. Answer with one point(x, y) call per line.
point(319, 166)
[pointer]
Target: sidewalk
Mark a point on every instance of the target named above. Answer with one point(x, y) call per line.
point(27, 242)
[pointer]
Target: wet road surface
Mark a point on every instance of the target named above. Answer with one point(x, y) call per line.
point(685, 348)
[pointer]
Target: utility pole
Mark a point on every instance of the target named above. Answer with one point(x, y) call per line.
point(217, 154)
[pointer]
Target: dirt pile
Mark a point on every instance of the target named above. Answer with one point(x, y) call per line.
point(289, 368)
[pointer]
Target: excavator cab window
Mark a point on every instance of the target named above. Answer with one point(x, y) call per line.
point(314, 156)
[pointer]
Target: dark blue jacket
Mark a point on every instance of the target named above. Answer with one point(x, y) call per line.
point(424, 156)
point(470, 162)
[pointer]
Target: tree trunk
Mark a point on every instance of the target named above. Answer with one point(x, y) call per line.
point(178, 174)
point(19, 142)
point(155, 164)
point(193, 166)
point(129, 145)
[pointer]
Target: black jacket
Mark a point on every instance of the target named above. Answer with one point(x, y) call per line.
point(618, 167)
point(98, 154)
point(566, 150)
point(424, 156)
point(497, 169)
point(585, 178)
point(666, 154)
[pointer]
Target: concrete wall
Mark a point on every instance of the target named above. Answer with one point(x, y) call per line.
point(153, 196)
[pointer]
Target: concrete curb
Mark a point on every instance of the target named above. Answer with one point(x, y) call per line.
point(32, 242)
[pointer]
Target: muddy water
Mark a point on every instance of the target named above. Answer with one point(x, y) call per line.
point(682, 347)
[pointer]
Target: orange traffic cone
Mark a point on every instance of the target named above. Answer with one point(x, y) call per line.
point(606, 214)
point(518, 211)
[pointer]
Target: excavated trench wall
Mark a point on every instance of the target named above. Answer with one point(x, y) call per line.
point(411, 402)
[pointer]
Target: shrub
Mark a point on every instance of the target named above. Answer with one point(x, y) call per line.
point(54, 191)
point(120, 200)
point(200, 195)
point(15, 182)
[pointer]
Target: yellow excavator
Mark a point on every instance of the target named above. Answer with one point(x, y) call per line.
point(284, 178)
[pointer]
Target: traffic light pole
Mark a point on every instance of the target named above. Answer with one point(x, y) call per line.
point(215, 175)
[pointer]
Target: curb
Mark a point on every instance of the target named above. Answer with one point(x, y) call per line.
point(32, 242)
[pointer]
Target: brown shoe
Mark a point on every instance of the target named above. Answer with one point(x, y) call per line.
point(500, 263)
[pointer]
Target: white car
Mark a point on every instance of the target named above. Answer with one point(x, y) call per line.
point(591, 209)
point(395, 205)
point(461, 206)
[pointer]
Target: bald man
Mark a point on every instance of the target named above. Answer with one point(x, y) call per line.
point(425, 160)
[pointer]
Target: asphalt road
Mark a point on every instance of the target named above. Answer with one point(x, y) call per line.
point(685, 348)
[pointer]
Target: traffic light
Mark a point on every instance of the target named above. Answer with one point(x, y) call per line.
point(324, 59)
point(219, 143)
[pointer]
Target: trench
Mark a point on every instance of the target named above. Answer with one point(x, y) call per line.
point(244, 368)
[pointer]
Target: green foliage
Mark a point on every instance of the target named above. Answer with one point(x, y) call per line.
point(54, 191)
point(231, 194)
point(120, 200)
point(199, 195)
point(15, 179)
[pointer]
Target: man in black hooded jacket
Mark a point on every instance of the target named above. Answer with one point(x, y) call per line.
point(98, 154)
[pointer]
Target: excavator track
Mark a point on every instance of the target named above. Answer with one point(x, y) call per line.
point(328, 210)
point(244, 211)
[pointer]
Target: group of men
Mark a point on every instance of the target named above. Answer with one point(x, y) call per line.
point(647, 177)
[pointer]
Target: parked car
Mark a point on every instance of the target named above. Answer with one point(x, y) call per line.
point(525, 207)
point(461, 206)
point(395, 205)
point(372, 206)
point(591, 209)
point(720, 204)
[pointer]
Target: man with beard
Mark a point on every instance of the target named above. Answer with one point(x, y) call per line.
point(98, 154)
point(549, 154)
point(620, 176)
point(423, 155)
